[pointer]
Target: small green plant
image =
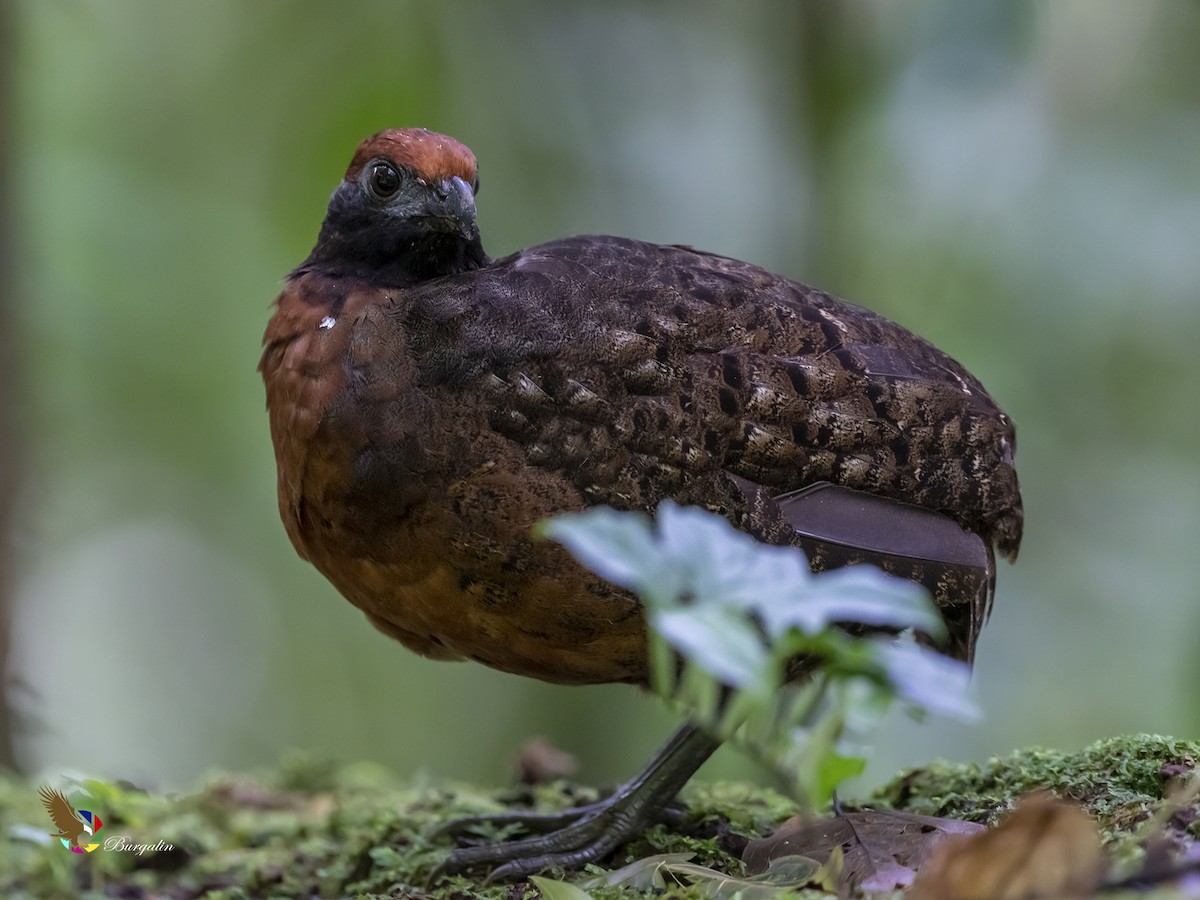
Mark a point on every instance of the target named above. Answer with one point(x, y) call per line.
point(740, 614)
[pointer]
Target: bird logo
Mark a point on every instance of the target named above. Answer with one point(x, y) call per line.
point(72, 826)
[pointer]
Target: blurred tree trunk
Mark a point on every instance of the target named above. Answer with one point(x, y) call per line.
point(9, 455)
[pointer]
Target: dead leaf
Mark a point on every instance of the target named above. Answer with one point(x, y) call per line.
point(1158, 862)
point(1045, 848)
point(881, 850)
point(540, 762)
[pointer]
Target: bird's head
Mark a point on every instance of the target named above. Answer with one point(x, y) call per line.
point(405, 211)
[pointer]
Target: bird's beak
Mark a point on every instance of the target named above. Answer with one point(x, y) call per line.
point(453, 208)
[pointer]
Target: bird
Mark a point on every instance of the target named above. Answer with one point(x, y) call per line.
point(71, 825)
point(430, 404)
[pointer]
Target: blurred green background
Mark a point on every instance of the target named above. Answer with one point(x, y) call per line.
point(1019, 182)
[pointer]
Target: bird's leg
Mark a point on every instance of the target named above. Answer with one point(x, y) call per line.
point(540, 823)
point(588, 833)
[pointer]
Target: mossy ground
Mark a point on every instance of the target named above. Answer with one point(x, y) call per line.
point(313, 829)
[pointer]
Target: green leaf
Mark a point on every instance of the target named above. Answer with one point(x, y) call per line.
point(641, 875)
point(721, 642)
point(841, 655)
point(753, 713)
point(646, 876)
point(866, 702)
point(737, 611)
point(804, 756)
point(861, 594)
point(779, 576)
point(699, 692)
point(927, 679)
point(833, 768)
point(558, 890)
point(715, 558)
point(662, 664)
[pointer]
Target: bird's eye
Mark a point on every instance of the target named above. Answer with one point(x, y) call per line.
point(384, 180)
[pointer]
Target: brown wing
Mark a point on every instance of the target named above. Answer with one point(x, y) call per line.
point(665, 356)
point(642, 372)
point(62, 813)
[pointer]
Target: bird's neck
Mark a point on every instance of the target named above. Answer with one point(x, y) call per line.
point(398, 256)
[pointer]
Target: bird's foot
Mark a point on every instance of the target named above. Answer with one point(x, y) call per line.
point(586, 834)
point(565, 840)
point(530, 822)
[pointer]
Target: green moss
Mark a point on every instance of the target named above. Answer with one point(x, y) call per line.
point(315, 828)
point(1120, 781)
point(1107, 777)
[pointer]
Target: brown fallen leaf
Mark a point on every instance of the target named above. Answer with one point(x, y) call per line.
point(540, 762)
point(881, 850)
point(1045, 848)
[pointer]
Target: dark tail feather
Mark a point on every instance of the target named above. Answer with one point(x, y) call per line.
point(838, 526)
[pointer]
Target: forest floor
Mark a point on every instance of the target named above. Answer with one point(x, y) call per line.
point(318, 829)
